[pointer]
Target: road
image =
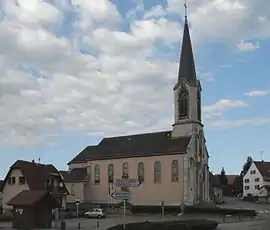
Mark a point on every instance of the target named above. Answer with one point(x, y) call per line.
point(111, 220)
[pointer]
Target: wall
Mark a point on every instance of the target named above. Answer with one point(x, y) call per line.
point(10, 190)
point(252, 182)
point(217, 191)
point(78, 190)
point(146, 193)
point(170, 192)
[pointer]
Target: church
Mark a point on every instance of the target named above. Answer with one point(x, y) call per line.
point(171, 165)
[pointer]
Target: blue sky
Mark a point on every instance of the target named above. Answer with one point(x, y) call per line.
point(75, 73)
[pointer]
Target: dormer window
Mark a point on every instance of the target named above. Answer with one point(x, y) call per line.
point(12, 180)
point(21, 180)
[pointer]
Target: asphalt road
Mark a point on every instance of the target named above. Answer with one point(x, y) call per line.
point(111, 220)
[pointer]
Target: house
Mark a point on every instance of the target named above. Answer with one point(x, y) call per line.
point(1, 184)
point(233, 186)
point(216, 189)
point(174, 162)
point(76, 181)
point(24, 175)
point(256, 181)
point(32, 209)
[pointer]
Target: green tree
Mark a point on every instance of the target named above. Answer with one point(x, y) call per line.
point(246, 166)
point(223, 179)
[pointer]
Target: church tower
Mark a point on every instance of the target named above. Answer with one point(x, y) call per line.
point(187, 92)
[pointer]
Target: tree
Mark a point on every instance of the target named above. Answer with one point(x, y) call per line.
point(223, 179)
point(246, 166)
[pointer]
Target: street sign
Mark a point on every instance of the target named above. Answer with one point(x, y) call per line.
point(77, 202)
point(127, 182)
point(121, 196)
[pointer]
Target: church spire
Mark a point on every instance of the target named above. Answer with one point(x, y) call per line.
point(187, 66)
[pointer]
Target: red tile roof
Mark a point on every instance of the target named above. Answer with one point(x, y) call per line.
point(231, 179)
point(36, 175)
point(1, 184)
point(29, 198)
point(264, 168)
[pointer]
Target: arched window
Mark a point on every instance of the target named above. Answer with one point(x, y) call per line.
point(199, 111)
point(157, 172)
point(183, 103)
point(97, 174)
point(110, 173)
point(141, 171)
point(175, 171)
point(125, 169)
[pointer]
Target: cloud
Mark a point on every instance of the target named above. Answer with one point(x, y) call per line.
point(49, 86)
point(222, 124)
point(83, 68)
point(239, 19)
point(257, 93)
point(220, 107)
point(248, 46)
point(208, 76)
point(155, 11)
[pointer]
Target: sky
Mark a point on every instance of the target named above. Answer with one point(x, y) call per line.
point(73, 72)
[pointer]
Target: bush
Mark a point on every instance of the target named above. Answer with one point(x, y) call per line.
point(170, 225)
point(220, 211)
point(155, 209)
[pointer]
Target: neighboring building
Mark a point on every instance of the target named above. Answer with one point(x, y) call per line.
point(174, 163)
point(24, 175)
point(233, 186)
point(1, 184)
point(33, 210)
point(256, 181)
point(215, 188)
point(76, 181)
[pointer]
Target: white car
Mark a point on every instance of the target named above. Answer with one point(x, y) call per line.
point(95, 213)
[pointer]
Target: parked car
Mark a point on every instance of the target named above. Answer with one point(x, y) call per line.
point(95, 213)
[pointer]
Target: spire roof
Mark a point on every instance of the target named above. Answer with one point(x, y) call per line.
point(187, 66)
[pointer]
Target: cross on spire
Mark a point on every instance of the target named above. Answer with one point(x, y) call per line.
point(187, 66)
point(185, 5)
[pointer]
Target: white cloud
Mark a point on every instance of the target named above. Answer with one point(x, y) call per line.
point(248, 46)
point(155, 11)
point(49, 87)
point(32, 12)
point(220, 107)
point(208, 76)
point(257, 93)
point(221, 124)
point(91, 75)
point(237, 19)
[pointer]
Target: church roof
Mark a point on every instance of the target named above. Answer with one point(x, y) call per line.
point(138, 145)
point(187, 69)
point(76, 175)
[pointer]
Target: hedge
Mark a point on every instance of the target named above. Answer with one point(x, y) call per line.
point(155, 209)
point(170, 225)
point(220, 211)
point(194, 209)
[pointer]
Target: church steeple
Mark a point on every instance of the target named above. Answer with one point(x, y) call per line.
point(187, 91)
point(187, 66)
